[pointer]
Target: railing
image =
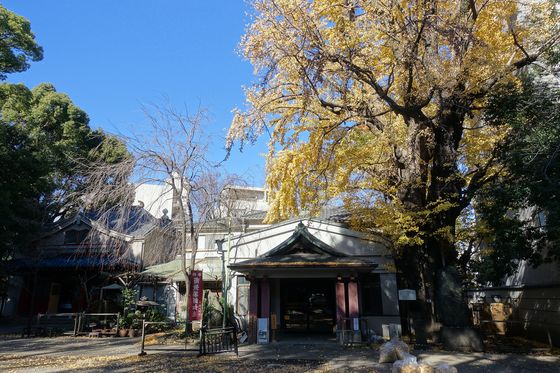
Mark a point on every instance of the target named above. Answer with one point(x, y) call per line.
point(147, 323)
point(52, 324)
point(101, 323)
point(214, 341)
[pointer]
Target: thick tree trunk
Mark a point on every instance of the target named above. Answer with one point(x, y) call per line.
point(431, 189)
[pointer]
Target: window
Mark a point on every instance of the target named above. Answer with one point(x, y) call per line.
point(370, 286)
point(243, 285)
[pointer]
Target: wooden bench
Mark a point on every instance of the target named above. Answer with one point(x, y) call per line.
point(50, 325)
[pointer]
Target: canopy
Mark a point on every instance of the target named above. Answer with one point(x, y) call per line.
point(112, 287)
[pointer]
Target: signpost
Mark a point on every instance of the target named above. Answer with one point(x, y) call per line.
point(407, 294)
point(195, 296)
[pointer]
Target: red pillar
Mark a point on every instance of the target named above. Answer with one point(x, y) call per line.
point(353, 310)
point(253, 310)
point(340, 302)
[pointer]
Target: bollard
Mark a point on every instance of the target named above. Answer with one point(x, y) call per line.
point(142, 352)
point(76, 325)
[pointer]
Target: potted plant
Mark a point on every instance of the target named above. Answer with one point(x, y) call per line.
point(135, 322)
point(124, 324)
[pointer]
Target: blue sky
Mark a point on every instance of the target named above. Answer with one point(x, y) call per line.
point(112, 56)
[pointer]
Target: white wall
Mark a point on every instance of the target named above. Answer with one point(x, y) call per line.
point(260, 242)
point(155, 197)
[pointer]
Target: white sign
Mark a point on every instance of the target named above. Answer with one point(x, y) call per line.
point(356, 323)
point(407, 294)
point(262, 331)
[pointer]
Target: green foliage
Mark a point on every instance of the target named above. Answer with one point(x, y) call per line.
point(154, 314)
point(126, 321)
point(17, 45)
point(509, 207)
point(228, 309)
point(211, 316)
point(21, 184)
point(128, 300)
point(44, 137)
point(131, 318)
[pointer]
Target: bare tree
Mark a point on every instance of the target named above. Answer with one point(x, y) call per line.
point(172, 153)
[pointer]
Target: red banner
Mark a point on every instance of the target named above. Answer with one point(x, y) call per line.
point(195, 296)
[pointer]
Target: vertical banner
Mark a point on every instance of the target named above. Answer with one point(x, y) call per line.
point(195, 296)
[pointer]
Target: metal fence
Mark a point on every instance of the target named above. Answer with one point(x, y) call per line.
point(352, 331)
point(53, 324)
point(145, 325)
point(214, 341)
point(97, 324)
point(532, 316)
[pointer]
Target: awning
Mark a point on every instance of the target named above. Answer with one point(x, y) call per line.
point(304, 261)
point(112, 287)
point(211, 270)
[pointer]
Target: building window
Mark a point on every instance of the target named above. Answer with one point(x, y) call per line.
point(201, 243)
point(74, 236)
point(242, 306)
point(370, 287)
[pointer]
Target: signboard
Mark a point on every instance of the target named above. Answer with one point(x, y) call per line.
point(262, 331)
point(356, 323)
point(407, 294)
point(195, 295)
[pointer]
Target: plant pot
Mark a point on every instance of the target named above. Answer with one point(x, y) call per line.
point(132, 333)
point(123, 332)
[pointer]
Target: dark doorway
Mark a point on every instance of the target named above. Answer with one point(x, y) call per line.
point(308, 305)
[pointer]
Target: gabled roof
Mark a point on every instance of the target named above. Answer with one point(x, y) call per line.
point(303, 250)
point(135, 221)
point(303, 241)
point(135, 224)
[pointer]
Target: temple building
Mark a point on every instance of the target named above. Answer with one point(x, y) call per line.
point(312, 276)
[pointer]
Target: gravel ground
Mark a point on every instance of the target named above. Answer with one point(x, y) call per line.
point(66, 354)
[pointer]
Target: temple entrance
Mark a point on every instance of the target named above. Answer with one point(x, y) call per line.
point(307, 305)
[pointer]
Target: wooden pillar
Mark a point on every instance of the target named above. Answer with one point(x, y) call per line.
point(265, 299)
point(353, 309)
point(253, 309)
point(340, 302)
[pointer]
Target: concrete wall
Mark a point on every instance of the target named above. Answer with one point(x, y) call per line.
point(389, 294)
point(526, 274)
point(155, 198)
point(375, 323)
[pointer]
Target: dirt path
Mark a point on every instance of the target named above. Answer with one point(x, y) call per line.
point(66, 354)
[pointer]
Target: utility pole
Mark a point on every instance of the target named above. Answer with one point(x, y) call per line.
point(220, 249)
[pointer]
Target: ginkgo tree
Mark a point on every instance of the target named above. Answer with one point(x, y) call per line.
point(379, 104)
